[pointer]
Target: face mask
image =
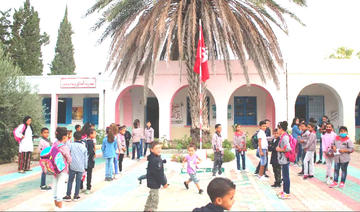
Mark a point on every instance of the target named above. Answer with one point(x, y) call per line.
point(343, 135)
point(328, 130)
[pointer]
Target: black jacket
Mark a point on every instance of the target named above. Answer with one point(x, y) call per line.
point(127, 136)
point(209, 208)
point(272, 147)
point(155, 172)
point(89, 143)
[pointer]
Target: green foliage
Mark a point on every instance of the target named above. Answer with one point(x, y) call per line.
point(249, 144)
point(227, 144)
point(64, 63)
point(179, 158)
point(100, 135)
point(183, 143)
point(342, 53)
point(228, 156)
point(358, 55)
point(26, 40)
point(16, 101)
point(5, 34)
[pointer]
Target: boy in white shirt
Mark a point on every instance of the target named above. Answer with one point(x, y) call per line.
point(262, 148)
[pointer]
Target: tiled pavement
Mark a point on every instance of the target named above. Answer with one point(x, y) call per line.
point(21, 191)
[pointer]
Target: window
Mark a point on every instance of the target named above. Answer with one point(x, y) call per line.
point(188, 114)
point(307, 107)
point(245, 110)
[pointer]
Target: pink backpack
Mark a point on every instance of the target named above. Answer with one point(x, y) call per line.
point(18, 139)
point(291, 155)
point(52, 161)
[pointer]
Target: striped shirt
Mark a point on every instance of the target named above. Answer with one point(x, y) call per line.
point(79, 156)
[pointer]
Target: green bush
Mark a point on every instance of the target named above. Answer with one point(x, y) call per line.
point(249, 144)
point(179, 158)
point(228, 156)
point(100, 135)
point(227, 144)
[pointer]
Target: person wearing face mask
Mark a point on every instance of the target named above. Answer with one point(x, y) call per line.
point(342, 147)
point(327, 139)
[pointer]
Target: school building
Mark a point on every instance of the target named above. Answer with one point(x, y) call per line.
point(330, 88)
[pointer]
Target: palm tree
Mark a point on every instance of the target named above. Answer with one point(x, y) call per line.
point(144, 32)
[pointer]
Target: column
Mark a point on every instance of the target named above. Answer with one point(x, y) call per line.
point(348, 117)
point(101, 124)
point(54, 115)
point(221, 117)
point(164, 117)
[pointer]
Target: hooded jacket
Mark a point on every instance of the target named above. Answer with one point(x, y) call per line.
point(155, 172)
point(209, 208)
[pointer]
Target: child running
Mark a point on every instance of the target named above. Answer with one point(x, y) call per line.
point(310, 149)
point(216, 142)
point(59, 179)
point(108, 149)
point(342, 147)
point(222, 195)
point(327, 140)
point(192, 160)
point(78, 165)
point(90, 146)
point(282, 148)
point(44, 142)
point(240, 147)
point(155, 176)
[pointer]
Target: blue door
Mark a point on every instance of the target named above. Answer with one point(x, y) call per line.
point(245, 110)
point(307, 107)
point(91, 110)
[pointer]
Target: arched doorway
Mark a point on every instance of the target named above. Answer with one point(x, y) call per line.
point(130, 106)
point(317, 100)
point(180, 113)
point(247, 106)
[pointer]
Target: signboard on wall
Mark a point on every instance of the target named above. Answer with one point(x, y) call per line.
point(176, 113)
point(78, 82)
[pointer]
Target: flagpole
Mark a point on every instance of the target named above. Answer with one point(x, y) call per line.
point(200, 77)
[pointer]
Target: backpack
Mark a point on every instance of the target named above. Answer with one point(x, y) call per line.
point(291, 155)
point(18, 139)
point(255, 140)
point(52, 161)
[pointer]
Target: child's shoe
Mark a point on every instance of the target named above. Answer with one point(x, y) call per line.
point(333, 185)
point(311, 176)
point(279, 193)
point(67, 198)
point(186, 185)
point(87, 191)
point(342, 185)
point(201, 191)
point(76, 198)
point(329, 181)
point(305, 177)
point(45, 187)
point(284, 196)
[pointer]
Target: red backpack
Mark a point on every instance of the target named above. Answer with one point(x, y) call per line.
point(18, 139)
point(291, 155)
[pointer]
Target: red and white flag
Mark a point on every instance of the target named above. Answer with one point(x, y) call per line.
point(202, 58)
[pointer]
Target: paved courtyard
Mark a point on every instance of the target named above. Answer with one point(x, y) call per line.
point(21, 191)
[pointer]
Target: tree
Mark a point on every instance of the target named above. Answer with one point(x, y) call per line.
point(343, 53)
point(26, 42)
point(16, 101)
point(5, 34)
point(64, 63)
point(168, 30)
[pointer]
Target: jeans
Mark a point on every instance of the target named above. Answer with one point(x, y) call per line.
point(109, 163)
point(286, 178)
point(302, 159)
point(321, 150)
point(299, 154)
point(121, 158)
point(88, 179)
point(77, 176)
point(309, 163)
point(59, 186)
point(152, 200)
point(127, 148)
point(43, 179)
point(136, 145)
point(238, 154)
point(259, 164)
point(146, 146)
point(343, 167)
point(218, 160)
point(141, 147)
point(116, 162)
point(263, 159)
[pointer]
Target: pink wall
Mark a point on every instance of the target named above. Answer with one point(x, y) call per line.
point(127, 106)
point(126, 103)
point(270, 109)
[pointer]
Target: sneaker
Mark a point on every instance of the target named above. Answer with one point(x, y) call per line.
point(318, 162)
point(267, 176)
point(263, 178)
point(67, 198)
point(300, 173)
point(45, 187)
point(305, 177)
point(311, 176)
point(342, 185)
point(279, 193)
point(186, 185)
point(324, 163)
point(76, 198)
point(245, 170)
point(87, 191)
point(284, 196)
point(275, 185)
point(219, 172)
point(256, 173)
point(334, 184)
point(201, 191)
point(82, 190)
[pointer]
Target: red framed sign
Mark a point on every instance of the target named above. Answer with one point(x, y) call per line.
point(78, 82)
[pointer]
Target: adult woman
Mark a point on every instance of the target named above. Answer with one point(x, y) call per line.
point(137, 135)
point(296, 133)
point(26, 146)
point(282, 148)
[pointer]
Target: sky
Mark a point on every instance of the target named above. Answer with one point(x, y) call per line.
point(329, 24)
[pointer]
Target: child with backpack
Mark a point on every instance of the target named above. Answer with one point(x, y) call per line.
point(342, 147)
point(59, 179)
point(217, 142)
point(23, 134)
point(78, 165)
point(310, 148)
point(282, 149)
point(240, 147)
point(43, 143)
point(192, 160)
point(90, 146)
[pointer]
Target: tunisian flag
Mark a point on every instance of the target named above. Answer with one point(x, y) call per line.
point(202, 58)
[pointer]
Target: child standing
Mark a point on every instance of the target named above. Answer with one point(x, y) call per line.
point(44, 142)
point(327, 140)
point(222, 195)
point(78, 165)
point(127, 136)
point(216, 142)
point(274, 159)
point(121, 146)
point(59, 180)
point(282, 148)
point(155, 176)
point(262, 148)
point(303, 140)
point(90, 146)
point(240, 147)
point(192, 160)
point(310, 149)
point(108, 149)
point(137, 135)
point(342, 147)
point(149, 136)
